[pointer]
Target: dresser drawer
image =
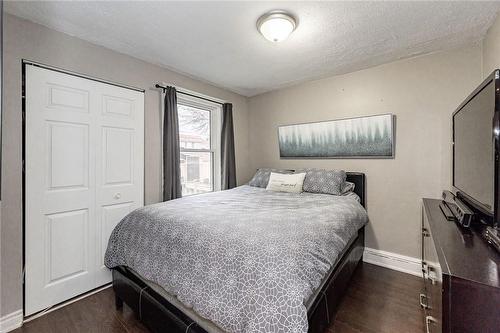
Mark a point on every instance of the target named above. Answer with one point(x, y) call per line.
point(431, 296)
point(433, 306)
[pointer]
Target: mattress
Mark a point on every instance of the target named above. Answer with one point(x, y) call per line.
point(246, 259)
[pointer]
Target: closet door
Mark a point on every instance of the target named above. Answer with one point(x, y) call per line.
point(120, 166)
point(64, 237)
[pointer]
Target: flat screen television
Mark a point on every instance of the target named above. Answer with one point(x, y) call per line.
point(476, 132)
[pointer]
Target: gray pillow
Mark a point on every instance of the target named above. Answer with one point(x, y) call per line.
point(348, 188)
point(324, 181)
point(261, 177)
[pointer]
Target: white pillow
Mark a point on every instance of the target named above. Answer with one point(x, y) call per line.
point(280, 182)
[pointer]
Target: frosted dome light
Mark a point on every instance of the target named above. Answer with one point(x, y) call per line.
point(276, 26)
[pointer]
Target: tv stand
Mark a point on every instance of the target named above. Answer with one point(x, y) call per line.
point(461, 276)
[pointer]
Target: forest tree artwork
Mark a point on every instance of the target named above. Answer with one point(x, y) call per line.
point(370, 137)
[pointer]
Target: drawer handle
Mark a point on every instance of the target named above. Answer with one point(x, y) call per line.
point(426, 270)
point(425, 232)
point(118, 196)
point(430, 270)
point(428, 277)
point(423, 301)
point(424, 266)
point(429, 320)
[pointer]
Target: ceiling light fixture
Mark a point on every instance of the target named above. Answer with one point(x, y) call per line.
point(277, 25)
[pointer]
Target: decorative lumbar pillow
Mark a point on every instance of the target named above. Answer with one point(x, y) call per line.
point(280, 182)
point(261, 177)
point(324, 181)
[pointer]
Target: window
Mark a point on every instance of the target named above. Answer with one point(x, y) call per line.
point(199, 134)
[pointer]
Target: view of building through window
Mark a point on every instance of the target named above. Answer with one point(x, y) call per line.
point(195, 150)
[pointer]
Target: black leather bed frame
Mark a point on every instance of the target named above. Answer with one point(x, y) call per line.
point(159, 315)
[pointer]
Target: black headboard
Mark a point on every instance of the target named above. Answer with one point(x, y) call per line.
point(358, 179)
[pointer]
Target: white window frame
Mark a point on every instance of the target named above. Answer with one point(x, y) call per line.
point(215, 110)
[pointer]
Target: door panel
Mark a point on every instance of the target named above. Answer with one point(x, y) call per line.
point(65, 97)
point(68, 155)
point(118, 156)
point(67, 159)
point(111, 215)
point(118, 106)
point(67, 236)
point(119, 175)
point(58, 190)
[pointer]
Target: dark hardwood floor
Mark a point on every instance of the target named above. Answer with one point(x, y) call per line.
point(378, 300)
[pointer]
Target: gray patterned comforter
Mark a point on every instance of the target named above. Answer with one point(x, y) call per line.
point(247, 259)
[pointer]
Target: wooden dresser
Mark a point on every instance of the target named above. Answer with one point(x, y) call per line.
point(461, 276)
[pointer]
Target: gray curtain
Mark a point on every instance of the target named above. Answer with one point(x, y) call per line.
point(227, 150)
point(172, 188)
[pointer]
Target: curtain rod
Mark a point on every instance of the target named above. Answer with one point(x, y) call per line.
point(163, 88)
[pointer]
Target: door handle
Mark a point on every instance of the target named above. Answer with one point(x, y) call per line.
point(117, 195)
point(425, 232)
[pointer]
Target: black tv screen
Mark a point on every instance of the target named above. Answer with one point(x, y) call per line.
point(474, 139)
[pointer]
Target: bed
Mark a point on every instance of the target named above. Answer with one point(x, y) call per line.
point(243, 260)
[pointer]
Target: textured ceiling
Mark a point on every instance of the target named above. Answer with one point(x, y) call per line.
point(217, 42)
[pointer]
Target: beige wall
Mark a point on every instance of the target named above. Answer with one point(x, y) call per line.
point(491, 49)
point(422, 92)
point(27, 40)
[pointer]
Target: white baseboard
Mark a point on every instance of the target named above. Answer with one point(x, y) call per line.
point(11, 321)
point(393, 261)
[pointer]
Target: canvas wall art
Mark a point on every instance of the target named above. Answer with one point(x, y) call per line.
point(363, 137)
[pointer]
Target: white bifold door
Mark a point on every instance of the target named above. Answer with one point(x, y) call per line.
point(84, 167)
